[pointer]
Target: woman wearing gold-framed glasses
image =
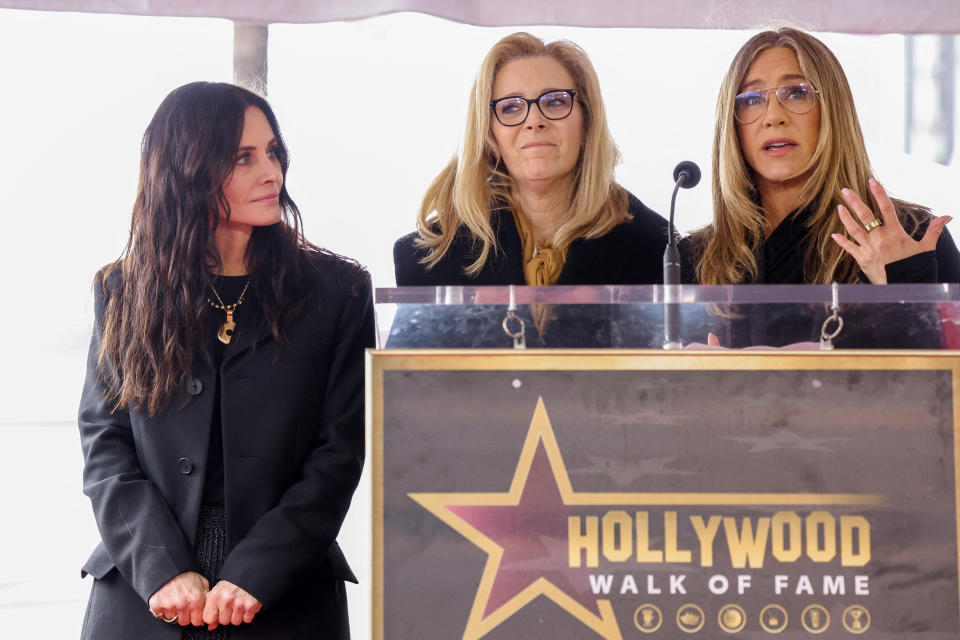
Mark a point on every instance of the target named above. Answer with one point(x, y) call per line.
point(793, 196)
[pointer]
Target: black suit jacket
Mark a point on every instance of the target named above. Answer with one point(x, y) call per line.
point(631, 253)
point(293, 438)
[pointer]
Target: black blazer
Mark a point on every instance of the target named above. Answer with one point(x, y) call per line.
point(781, 259)
point(293, 437)
point(631, 253)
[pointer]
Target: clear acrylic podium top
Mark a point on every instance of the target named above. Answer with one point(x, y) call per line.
point(914, 316)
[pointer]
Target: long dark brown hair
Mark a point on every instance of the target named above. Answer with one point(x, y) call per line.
point(153, 323)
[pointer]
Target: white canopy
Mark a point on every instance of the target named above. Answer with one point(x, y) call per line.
point(849, 16)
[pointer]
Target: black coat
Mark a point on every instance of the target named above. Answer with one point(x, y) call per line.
point(782, 255)
point(293, 437)
point(781, 259)
point(631, 253)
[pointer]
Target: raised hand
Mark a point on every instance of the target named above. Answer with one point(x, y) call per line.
point(881, 239)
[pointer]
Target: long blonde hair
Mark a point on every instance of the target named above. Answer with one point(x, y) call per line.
point(728, 247)
point(476, 183)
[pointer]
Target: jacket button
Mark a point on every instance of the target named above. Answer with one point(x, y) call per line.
point(185, 466)
point(195, 387)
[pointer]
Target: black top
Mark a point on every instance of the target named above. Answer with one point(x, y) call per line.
point(631, 253)
point(780, 261)
point(782, 254)
point(229, 288)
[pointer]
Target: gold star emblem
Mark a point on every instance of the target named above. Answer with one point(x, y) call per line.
point(509, 587)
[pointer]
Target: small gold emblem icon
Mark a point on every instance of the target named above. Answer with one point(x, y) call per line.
point(856, 619)
point(773, 618)
point(815, 618)
point(732, 618)
point(690, 618)
point(648, 618)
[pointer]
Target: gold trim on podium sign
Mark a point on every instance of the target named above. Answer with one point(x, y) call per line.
point(381, 360)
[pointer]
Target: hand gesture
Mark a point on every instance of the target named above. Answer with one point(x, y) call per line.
point(881, 240)
point(229, 604)
point(181, 599)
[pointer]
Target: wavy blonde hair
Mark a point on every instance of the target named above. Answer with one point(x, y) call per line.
point(476, 182)
point(728, 247)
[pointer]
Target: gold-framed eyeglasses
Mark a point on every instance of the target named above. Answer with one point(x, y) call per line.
point(799, 98)
point(512, 111)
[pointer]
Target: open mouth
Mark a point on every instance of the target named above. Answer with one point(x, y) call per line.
point(774, 146)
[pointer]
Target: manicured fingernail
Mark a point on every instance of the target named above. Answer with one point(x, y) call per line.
point(845, 192)
point(873, 182)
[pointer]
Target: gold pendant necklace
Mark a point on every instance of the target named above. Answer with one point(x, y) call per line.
point(227, 329)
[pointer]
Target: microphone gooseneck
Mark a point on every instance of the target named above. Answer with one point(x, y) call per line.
point(686, 175)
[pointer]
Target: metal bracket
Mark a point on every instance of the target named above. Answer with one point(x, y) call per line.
point(826, 335)
point(519, 336)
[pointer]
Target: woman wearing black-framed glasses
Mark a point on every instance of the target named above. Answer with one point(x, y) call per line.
point(531, 198)
point(793, 196)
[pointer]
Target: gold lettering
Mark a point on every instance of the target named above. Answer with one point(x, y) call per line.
point(786, 524)
point(706, 533)
point(612, 522)
point(850, 525)
point(821, 548)
point(644, 552)
point(745, 547)
point(588, 541)
point(671, 547)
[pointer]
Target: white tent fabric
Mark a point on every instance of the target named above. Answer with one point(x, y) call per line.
point(849, 16)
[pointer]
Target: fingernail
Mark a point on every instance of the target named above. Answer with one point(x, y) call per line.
point(845, 191)
point(873, 182)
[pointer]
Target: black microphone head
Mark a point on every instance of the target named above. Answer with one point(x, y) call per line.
point(690, 173)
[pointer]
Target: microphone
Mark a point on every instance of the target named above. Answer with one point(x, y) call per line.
point(686, 175)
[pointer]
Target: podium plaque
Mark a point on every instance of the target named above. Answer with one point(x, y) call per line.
point(642, 494)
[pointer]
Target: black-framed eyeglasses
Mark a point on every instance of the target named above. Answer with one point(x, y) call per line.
point(512, 111)
point(799, 98)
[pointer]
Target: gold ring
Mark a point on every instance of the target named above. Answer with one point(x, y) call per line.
point(873, 224)
point(171, 620)
point(157, 615)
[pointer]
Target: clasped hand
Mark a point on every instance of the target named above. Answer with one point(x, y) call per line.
point(187, 599)
point(874, 245)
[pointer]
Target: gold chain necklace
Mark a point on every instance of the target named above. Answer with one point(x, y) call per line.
point(225, 333)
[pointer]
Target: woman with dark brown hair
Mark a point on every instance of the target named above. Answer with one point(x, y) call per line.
point(222, 415)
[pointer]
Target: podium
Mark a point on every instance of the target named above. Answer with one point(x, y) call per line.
point(595, 485)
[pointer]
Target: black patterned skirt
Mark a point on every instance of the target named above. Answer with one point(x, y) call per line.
point(209, 554)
